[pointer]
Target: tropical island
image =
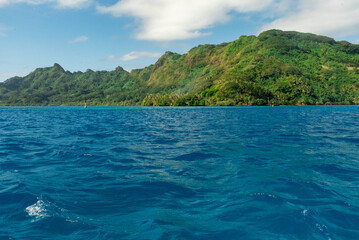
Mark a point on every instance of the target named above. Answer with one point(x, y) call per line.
point(277, 67)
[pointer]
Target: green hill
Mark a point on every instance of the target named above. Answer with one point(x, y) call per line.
point(281, 67)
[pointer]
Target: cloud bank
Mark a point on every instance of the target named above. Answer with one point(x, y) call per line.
point(166, 20)
point(328, 17)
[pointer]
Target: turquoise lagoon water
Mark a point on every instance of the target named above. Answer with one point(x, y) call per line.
point(179, 173)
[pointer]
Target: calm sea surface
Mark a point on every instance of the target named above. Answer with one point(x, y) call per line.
point(179, 173)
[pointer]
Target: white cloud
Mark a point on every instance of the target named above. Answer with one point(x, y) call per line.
point(73, 3)
point(78, 39)
point(328, 17)
point(133, 56)
point(165, 20)
point(58, 3)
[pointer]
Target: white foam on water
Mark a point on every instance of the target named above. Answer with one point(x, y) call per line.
point(305, 212)
point(321, 227)
point(37, 210)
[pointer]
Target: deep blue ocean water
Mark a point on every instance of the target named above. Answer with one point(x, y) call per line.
point(179, 173)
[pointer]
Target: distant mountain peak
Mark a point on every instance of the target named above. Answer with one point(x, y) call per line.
point(58, 66)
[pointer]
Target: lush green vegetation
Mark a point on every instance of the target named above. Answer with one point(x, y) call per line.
point(275, 67)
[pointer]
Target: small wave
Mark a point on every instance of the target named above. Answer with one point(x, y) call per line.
point(195, 156)
point(38, 210)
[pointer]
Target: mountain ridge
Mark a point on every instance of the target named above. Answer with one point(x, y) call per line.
point(280, 67)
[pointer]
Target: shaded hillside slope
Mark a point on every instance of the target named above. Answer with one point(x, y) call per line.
point(280, 67)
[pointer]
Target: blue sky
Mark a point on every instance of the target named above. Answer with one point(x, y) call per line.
point(101, 35)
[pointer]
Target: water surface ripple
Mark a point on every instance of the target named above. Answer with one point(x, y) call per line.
point(179, 173)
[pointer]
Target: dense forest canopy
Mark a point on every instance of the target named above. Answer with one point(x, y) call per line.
point(284, 68)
